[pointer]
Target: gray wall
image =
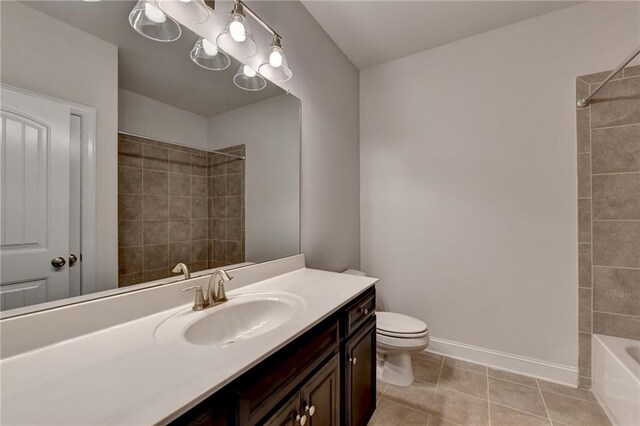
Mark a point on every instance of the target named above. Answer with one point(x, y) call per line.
point(47, 56)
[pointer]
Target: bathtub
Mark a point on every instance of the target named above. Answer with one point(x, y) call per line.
point(615, 375)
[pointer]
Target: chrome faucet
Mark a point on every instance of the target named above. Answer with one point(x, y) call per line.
point(211, 297)
point(181, 267)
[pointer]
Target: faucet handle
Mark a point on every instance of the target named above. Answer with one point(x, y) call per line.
point(221, 295)
point(200, 303)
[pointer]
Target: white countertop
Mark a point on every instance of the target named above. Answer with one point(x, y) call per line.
point(124, 375)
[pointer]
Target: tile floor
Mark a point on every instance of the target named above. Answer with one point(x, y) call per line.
point(447, 391)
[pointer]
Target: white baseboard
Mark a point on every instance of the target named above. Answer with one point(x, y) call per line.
point(552, 372)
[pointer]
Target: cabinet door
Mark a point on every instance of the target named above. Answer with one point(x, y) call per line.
point(320, 395)
point(288, 414)
point(360, 376)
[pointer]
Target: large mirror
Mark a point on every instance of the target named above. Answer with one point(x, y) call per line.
point(122, 157)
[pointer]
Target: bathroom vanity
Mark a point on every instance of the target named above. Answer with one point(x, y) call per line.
point(291, 346)
point(324, 377)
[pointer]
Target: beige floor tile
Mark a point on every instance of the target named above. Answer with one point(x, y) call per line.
point(435, 421)
point(513, 395)
point(459, 408)
point(425, 369)
point(464, 381)
point(430, 356)
point(585, 395)
point(391, 414)
point(503, 416)
point(418, 395)
point(574, 411)
point(476, 368)
point(513, 377)
point(380, 386)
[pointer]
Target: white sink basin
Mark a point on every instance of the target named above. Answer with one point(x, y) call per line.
point(243, 317)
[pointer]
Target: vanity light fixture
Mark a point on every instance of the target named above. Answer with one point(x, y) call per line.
point(148, 20)
point(190, 11)
point(236, 37)
point(209, 56)
point(247, 78)
point(275, 66)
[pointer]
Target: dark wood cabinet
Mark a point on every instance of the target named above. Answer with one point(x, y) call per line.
point(320, 396)
point(359, 358)
point(325, 377)
point(316, 403)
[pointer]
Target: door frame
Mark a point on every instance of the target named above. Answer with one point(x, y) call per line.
point(87, 116)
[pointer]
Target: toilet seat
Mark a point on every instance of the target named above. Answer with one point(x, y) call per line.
point(398, 326)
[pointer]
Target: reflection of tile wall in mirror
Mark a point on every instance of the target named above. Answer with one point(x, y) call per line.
point(177, 205)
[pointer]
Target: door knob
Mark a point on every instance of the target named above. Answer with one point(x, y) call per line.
point(72, 259)
point(58, 262)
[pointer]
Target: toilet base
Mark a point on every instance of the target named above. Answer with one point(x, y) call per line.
point(395, 368)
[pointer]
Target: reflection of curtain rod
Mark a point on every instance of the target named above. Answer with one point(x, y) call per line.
point(239, 157)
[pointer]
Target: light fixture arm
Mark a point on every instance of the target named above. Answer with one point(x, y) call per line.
point(241, 6)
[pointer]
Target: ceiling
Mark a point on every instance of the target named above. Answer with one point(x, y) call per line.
point(161, 71)
point(374, 32)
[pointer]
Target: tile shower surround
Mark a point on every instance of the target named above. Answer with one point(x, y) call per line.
point(166, 214)
point(608, 156)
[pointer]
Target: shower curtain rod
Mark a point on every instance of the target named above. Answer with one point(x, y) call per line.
point(239, 157)
point(585, 101)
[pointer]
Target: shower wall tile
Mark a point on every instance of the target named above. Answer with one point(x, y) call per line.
point(616, 325)
point(583, 130)
point(584, 310)
point(584, 265)
point(616, 197)
point(616, 149)
point(584, 175)
point(584, 220)
point(157, 223)
point(226, 197)
point(173, 204)
point(616, 290)
point(616, 243)
point(617, 104)
point(610, 265)
point(632, 71)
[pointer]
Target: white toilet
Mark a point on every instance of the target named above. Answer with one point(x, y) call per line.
point(398, 337)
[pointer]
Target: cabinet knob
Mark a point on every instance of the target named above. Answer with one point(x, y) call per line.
point(310, 409)
point(363, 310)
point(353, 360)
point(301, 419)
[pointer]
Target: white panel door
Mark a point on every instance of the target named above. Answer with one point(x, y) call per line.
point(34, 209)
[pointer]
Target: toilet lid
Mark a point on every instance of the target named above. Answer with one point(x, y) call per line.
point(398, 325)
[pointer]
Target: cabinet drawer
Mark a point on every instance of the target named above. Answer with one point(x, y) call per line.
point(360, 311)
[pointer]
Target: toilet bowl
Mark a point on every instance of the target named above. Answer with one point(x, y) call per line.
point(398, 336)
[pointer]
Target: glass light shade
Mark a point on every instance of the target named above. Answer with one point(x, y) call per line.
point(151, 22)
point(236, 37)
point(248, 79)
point(189, 11)
point(275, 67)
point(208, 56)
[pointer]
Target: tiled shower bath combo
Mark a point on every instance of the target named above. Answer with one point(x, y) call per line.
point(608, 149)
point(177, 204)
